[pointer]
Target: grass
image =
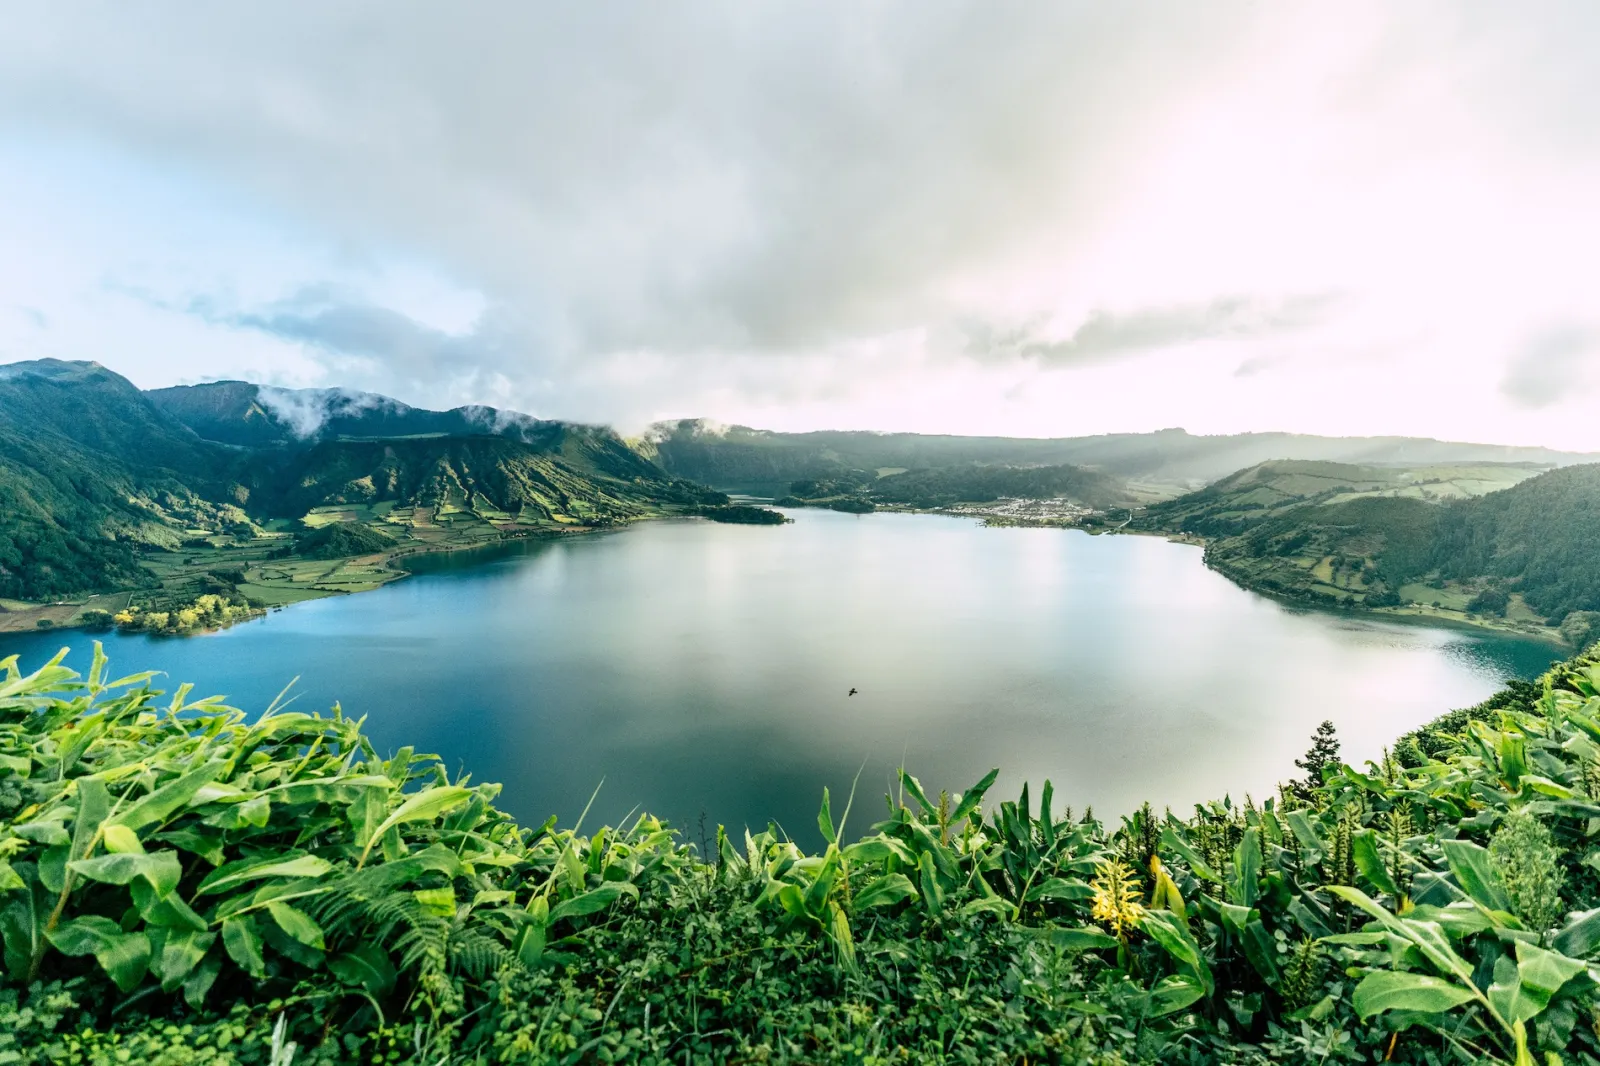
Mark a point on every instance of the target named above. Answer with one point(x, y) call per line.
point(456, 523)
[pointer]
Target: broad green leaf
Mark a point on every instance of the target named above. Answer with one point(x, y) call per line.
point(596, 899)
point(1580, 937)
point(49, 832)
point(1395, 990)
point(911, 785)
point(424, 806)
point(1173, 993)
point(165, 910)
point(1475, 873)
point(793, 900)
point(122, 840)
point(440, 902)
point(822, 886)
point(94, 803)
point(253, 812)
point(1086, 938)
point(22, 918)
point(365, 966)
point(53, 867)
point(843, 940)
point(235, 873)
point(928, 876)
point(973, 796)
point(160, 868)
point(1245, 924)
point(9, 878)
point(985, 905)
point(1546, 787)
point(883, 892)
point(879, 849)
point(161, 804)
point(200, 980)
point(1305, 831)
point(243, 943)
point(181, 952)
point(337, 791)
point(297, 924)
point(1364, 849)
point(825, 820)
point(1543, 972)
point(1165, 895)
point(1428, 936)
point(123, 956)
point(1246, 869)
point(1174, 841)
point(1167, 931)
point(206, 845)
point(1059, 888)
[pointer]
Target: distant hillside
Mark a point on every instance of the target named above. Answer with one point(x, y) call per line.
point(735, 457)
point(101, 484)
point(242, 413)
point(593, 484)
point(941, 487)
point(1426, 540)
point(90, 475)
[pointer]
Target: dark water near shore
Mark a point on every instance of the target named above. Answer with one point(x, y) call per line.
point(704, 668)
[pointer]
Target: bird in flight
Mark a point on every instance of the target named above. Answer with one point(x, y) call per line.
point(852, 692)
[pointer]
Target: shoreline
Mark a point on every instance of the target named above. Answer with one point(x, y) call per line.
point(393, 563)
point(1406, 613)
point(389, 562)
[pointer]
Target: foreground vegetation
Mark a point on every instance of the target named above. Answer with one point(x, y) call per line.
point(179, 885)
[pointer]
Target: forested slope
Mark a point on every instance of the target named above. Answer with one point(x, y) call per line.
point(101, 484)
point(1339, 534)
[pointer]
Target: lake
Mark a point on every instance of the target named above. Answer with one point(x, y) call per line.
point(704, 669)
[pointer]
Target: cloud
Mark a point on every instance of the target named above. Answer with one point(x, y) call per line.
point(1551, 367)
point(1106, 334)
point(346, 325)
point(755, 211)
point(305, 410)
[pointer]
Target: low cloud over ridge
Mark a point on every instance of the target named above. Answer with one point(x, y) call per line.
point(792, 216)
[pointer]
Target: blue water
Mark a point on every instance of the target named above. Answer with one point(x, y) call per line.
point(703, 669)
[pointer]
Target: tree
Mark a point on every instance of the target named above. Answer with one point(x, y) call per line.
point(1581, 628)
point(1323, 753)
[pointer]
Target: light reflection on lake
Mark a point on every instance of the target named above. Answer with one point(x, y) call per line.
point(704, 668)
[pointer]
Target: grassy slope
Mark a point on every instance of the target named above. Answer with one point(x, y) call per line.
point(282, 869)
point(105, 490)
point(1371, 536)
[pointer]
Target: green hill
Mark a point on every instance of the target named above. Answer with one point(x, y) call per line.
point(943, 487)
point(1170, 462)
point(1415, 540)
point(104, 488)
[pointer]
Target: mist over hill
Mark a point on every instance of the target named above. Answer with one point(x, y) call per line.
point(96, 475)
point(732, 457)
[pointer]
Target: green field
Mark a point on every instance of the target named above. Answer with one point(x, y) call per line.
point(272, 578)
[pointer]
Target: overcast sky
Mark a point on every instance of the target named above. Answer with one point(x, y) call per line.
point(1033, 218)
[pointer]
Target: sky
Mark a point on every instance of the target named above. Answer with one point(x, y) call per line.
point(988, 217)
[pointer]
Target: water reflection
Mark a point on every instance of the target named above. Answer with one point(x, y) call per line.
point(704, 668)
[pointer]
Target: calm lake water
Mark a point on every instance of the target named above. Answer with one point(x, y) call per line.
point(702, 668)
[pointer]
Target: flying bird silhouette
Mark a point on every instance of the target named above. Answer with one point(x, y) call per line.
point(852, 692)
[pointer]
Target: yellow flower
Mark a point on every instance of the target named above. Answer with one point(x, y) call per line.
point(1116, 898)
